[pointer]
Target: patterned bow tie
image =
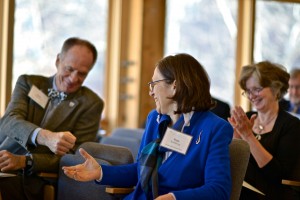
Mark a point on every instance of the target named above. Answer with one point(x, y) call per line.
point(53, 94)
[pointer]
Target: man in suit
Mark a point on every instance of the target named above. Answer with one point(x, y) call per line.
point(293, 104)
point(36, 129)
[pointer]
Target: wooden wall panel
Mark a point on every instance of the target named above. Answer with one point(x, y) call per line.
point(152, 50)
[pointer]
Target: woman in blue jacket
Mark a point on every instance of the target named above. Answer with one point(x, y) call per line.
point(184, 153)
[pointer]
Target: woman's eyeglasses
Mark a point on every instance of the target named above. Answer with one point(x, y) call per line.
point(153, 83)
point(253, 92)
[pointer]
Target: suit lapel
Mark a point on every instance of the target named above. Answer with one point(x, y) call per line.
point(62, 111)
point(60, 114)
point(37, 110)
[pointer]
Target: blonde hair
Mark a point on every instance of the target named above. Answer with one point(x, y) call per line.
point(269, 74)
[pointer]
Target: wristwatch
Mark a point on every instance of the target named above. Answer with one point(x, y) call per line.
point(28, 162)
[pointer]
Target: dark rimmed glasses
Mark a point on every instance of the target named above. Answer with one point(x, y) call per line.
point(253, 92)
point(153, 83)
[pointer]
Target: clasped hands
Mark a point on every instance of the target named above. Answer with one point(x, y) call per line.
point(241, 124)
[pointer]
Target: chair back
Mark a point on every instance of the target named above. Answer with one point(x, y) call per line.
point(128, 132)
point(239, 158)
point(113, 154)
point(132, 144)
point(126, 137)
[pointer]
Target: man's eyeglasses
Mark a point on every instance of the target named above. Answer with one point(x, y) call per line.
point(153, 83)
point(294, 87)
point(254, 91)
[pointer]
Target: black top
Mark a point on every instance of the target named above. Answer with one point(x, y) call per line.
point(283, 142)
point(284, 104)
point(222, 109)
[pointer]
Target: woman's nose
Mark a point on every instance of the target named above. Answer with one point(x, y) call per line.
point(151, 93)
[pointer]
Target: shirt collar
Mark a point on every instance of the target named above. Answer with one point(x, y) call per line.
point(54, 83)
point(187, 118)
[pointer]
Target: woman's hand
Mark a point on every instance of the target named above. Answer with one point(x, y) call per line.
point(168, 196)
point(87, 171)
point(233, 123)
point(241, 124)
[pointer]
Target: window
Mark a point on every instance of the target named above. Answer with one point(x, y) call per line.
point(207, 30)
point(277, 36)
point(42, 26)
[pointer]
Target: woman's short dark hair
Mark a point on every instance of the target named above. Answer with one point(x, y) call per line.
point(192, 82)
point(269, 74)
point(70, 42)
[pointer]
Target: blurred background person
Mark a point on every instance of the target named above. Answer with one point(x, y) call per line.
point(293, 103)
point(222, 109)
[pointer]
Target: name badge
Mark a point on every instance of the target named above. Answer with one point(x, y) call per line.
point(176, 141)
point(38, 96)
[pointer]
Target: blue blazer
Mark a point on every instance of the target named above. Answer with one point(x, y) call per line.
point(203, 173)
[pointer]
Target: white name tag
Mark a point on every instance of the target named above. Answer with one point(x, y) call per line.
point(176, 141)
point(38, 96)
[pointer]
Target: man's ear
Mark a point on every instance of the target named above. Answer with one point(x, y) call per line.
point(57, 60)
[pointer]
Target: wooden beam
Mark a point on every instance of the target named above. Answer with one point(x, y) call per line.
point(245, 41)
point(6, 51)
point(152, 50)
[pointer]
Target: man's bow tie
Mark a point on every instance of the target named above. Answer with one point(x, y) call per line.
point(52, 93)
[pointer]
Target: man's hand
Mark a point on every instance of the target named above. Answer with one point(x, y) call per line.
point(58, 142)
point(11, 162)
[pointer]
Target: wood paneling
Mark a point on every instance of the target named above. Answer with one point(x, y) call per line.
point(6, 51)
point(245, 41)
point(152, 50)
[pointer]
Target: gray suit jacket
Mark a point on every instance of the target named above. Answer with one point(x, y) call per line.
point(80, 114)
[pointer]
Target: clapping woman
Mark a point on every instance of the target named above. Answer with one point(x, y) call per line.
point(272, 133)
